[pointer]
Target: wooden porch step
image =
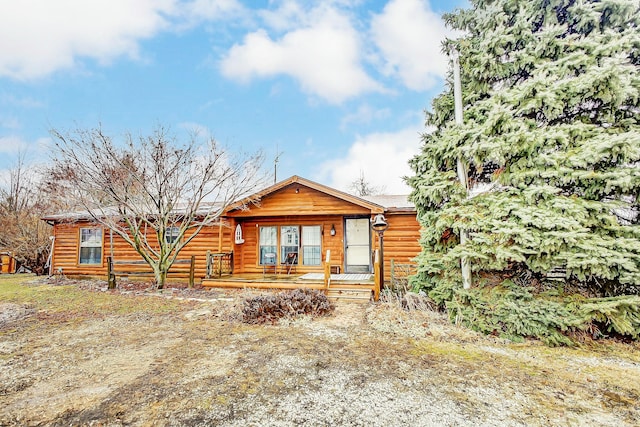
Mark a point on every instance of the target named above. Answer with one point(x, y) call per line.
point(351, 285)
point(349, 294)
point(339, 290)
point(258, 284)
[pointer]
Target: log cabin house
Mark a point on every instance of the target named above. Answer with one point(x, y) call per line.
point(279, 240)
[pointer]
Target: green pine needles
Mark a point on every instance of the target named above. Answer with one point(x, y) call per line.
point(551, 135)
point(515, 311)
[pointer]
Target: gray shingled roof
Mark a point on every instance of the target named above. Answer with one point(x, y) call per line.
point(392, 202)
point(108, 211)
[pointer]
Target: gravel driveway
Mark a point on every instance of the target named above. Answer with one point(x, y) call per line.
point(73, 354)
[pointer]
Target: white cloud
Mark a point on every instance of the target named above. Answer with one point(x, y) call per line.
point(25, 102)
point(194, 127)
point(32, 154)
point(213, 9)
point(12, 145)
point(323, 55)
point(10, 122)
point(200, 132)
point(382, 157)
point(365, 114)
point(409, 37)
point(286, 17)
point(191, 13)
point(39, 37)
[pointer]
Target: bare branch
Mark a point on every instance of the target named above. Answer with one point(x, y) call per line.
point(146, 187)
point(361, 187)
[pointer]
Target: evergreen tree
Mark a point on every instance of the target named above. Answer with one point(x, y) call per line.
point(551, 132)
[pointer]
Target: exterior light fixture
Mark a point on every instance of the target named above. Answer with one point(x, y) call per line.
point(333, 230)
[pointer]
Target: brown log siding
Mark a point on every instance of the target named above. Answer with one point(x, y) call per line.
point(67, 242)
point(297, 199)
point(401, 240)
point(295, 204)
point(246, 254)
point(401, 244)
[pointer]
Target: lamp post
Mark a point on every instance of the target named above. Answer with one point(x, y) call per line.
point(379, 225)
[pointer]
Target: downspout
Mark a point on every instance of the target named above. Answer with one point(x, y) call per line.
point(50, 257)
point(53, 240)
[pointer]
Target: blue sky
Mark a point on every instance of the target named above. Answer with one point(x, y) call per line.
point(337, 87)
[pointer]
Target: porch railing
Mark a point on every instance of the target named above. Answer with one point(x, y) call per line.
point(400, 276)
point(219, 263)
point(140, 268)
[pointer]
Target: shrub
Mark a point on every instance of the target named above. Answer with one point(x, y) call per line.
point(270, 308)
point(516, 312)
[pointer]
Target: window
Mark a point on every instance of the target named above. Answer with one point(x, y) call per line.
point(289, 241)
point(311, 238)
point(171, 234)
point(90, 246)
point(268, 245)
point(276, 242)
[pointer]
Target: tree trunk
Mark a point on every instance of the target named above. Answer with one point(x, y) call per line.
point(161, 276)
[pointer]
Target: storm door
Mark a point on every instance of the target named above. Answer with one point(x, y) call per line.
point(357, 245)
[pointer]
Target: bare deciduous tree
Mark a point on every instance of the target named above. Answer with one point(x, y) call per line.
point(153, 191)
point(361, 187)
point(22, 205)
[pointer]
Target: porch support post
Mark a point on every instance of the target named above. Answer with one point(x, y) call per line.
point(220, 232)
point(192, 271)
point(208, 273)
point(111, 277)
point(379, 224)
point(376, 275)
point(327, 270)
point(392, 279)
point(381, 237)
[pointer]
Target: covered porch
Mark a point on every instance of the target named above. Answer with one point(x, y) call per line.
point(352, 286)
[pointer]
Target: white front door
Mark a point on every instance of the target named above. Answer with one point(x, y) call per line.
point(357, 245)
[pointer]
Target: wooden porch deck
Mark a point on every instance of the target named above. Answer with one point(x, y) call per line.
point(341, 286)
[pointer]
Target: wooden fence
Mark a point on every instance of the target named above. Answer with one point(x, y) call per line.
point(122, 268)
point(219, 263)
point(400, 273)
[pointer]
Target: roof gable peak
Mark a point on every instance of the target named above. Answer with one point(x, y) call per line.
point(296, 179)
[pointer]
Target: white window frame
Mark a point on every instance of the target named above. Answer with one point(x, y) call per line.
point(290, 233)
point(287, 239)
point(265, 242)
point(90, 242)
point(304, 246)
point(171, 234)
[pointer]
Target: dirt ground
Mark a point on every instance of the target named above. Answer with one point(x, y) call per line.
point(72, 353)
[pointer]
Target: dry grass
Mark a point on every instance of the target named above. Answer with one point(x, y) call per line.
point(75, 355)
